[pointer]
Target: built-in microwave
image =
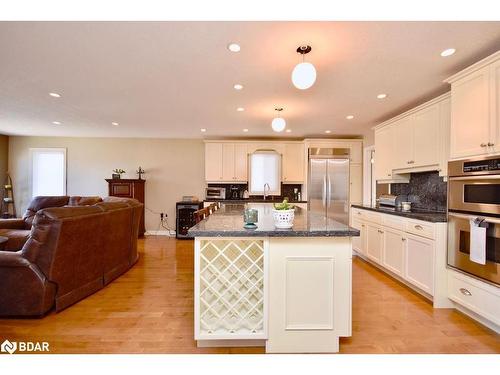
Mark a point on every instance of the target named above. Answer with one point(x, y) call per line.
point(215, 193)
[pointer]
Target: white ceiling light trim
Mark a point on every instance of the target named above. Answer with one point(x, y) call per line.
point(349, 117)
point(381, 96)
point(234, 47)
point(114, 123)
point(278, 124)
point(304, 74)
point(54, 94)
point(203, 130)
point(238, 86)
point(448, 52)
point(56, 122)
point(240, 109)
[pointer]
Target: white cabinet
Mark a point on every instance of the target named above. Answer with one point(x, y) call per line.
point(374, 242)
point(358, 243)
point(419, 264)
point(415, 141)
point(240, 162)
point(394, 251)
point(213, 162)
point(475, 103)
point(228, 161)
point(293, 163)
point(356, 183)
point(384, 153)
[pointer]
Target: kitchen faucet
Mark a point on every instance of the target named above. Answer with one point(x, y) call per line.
point(269, 189)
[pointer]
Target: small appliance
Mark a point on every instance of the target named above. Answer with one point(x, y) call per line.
point(215, 193)
point(394, 201)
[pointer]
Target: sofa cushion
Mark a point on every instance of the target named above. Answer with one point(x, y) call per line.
point(16, 238)
point(41, 202)
point(83, 201)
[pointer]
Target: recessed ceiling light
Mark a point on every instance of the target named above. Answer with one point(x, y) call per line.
point(328, 131)
point(115, 123)
point(245, 130)
point(238, 87)
point(56, 122)
point(203, 130)
point(233, 47)
point(288, 130)
point(381, 96)
point(350, 117)
point(448, 52)
point(54, 94)
point(240, 109)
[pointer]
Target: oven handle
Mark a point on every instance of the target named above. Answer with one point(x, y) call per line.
point(486, 218)
point(483, 177)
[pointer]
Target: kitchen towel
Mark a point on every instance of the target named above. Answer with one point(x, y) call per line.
point(477, 242)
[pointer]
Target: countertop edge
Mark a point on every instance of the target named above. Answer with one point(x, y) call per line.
point(431, 217)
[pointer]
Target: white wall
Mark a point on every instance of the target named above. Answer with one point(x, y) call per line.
point(174, 168)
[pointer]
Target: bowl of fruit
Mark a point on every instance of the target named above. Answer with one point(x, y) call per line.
point(283, 214)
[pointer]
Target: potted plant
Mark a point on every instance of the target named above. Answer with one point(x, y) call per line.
point(283, 214)
point(117, 173)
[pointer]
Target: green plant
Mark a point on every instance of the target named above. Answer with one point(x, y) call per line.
point(118, 170)
point(284, 205)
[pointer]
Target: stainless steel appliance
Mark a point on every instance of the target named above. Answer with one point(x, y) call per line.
point(328, 187)
point(474, 193)
point(389, 200)
point(215, 193)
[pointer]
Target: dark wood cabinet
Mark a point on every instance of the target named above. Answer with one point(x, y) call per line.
point(128, 188)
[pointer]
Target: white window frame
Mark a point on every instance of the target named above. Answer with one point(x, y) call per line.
point(48, 149)
point(254, 190)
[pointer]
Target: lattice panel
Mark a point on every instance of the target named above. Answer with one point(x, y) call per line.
point(231, 287)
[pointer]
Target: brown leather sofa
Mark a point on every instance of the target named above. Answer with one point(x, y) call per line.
point(17, 230)
point(71, 252)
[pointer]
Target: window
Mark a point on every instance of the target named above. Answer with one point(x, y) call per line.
point(265, 168)
point(48, 171)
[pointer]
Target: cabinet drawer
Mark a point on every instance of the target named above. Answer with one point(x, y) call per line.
point(371, 216)
point(420, 228)
point(393, 222)
point(476, 296)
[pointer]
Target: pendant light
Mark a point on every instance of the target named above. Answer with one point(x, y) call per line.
point(278, 124)
point(304, 74)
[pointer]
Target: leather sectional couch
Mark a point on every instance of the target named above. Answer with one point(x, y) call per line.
point(71, 252)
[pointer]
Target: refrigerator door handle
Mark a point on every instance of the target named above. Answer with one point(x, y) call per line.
point(323, 197)
point(329, 195)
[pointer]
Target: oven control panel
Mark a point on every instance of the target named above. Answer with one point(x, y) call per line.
point(482, 165)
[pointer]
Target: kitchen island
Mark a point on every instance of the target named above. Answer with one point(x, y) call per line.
point(286, 289)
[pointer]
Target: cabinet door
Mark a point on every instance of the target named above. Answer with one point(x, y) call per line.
point(213, 161)
point(394, 251)
point(403, 143)
point(426, 136)
point(359, 243)
point(469, 115)
point(228, 161)
point(419, 262)
point(240, 162)
point(495, 108)
point(374, 239)
point(383, 153)
point(355, 183)
point(293, 163)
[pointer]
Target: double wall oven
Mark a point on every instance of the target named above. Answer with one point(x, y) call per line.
point(474, 194)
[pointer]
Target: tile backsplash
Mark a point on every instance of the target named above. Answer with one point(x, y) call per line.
point(425, 190)
point(287, 190)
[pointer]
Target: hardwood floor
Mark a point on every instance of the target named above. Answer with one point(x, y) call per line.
point(150, 310)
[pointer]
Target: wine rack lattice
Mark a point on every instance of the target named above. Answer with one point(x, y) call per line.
point(231, 291)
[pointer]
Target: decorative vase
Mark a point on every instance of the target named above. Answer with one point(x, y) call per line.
point(250, 217)
point(116, 176)
point(283, 219)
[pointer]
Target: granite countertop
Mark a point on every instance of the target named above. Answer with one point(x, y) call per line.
point(417, 214)
point(251, 200)
point(228, 222)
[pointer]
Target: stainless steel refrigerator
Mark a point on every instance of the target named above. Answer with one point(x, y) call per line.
point(328, 186)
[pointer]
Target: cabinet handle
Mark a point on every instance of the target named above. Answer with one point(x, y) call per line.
point(380, 231)
point(465, 292)
point(363, 225)
point(483, 145)
point(491, 144)
point(389, 175)
point(403, 239)
point(419, 227)
point(359, 213)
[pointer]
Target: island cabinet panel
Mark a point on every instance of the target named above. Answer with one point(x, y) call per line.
point(309, 294)
point(230, 289)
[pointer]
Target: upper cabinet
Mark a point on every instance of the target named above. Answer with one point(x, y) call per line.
point(293, 163)
point(415, 141)
point(213, 161)
point(226, 162)
point(475, 103)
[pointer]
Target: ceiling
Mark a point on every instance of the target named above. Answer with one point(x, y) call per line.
point(170, 79)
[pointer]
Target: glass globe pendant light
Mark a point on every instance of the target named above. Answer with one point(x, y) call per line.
point(304, 74)
point(278, 124)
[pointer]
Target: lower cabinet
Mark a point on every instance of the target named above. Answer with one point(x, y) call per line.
point(393, 257)
point(374, 242)
point(358, 243)
point(419, 265)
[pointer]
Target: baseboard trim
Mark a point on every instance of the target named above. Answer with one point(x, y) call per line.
point(160, 233)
